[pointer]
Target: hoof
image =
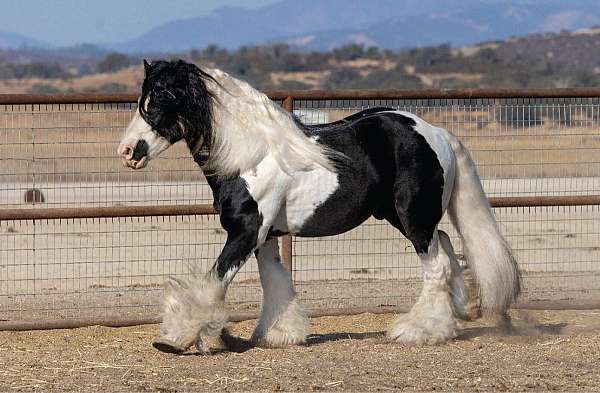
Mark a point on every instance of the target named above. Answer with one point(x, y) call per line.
point(276, 338)
point(168, 346)
point(193, 307)
point(422, 332)
point(290, 328)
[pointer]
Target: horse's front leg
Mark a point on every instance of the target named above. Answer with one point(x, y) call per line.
point(195, 306)
point(283, 320)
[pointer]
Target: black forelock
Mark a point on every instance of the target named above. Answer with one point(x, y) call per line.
point(180, 104)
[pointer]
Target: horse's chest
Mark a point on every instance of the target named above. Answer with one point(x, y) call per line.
point(285, 201)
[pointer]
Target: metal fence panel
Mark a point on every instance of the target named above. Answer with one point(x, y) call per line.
point(113, 267)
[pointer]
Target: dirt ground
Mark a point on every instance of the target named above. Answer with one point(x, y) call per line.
point(549, 350)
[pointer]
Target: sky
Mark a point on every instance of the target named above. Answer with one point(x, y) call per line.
point(68, 22)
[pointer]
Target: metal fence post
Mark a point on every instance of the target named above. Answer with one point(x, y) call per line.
point(286, 241)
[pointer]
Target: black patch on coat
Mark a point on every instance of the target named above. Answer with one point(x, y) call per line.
point(391, 173)
point(239, 216)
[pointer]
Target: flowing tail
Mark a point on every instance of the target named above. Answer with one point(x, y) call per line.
point(487, 252)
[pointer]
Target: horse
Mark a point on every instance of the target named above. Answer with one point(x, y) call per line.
point(272, 175)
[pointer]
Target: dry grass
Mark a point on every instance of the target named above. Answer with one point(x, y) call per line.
point(430, 79)
point(313, 79)
point(130, 77)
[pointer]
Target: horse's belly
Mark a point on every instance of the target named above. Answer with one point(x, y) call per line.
point(329, 222)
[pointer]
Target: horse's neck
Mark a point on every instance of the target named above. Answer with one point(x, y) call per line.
point(248, 126)
point(231, 89)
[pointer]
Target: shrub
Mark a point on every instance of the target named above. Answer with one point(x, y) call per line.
point(113, 62)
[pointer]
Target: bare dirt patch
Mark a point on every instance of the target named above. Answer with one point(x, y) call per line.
point(549, 351)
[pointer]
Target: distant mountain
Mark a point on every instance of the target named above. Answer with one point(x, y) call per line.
point(232, 27)
point(325, 24)
point(14, 41)
point(462, 23)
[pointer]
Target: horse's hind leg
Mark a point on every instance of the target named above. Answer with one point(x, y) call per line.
point(458, 288)
point(431, 320)
point(282, 321)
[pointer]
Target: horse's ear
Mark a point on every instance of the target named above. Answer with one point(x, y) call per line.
point(146, 66)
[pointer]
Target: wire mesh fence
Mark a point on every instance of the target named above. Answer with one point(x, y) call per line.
point(63, 155)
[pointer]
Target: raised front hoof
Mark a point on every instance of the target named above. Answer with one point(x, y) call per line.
point(168, 346)
point(422, 332)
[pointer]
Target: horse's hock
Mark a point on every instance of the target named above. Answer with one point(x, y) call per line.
point(96, 242)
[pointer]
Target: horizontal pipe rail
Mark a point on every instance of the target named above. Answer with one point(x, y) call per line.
point(125, 98)
point(238, 316)
point(206, 209)
point(234, 316)
point(105, 212)
point(545, 201)
point(56, 99)
point(434, 94)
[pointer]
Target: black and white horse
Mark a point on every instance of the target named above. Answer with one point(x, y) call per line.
point(272, 175)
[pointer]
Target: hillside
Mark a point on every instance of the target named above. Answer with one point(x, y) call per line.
point(324, 25)
point(566, 59)
point(16, 41)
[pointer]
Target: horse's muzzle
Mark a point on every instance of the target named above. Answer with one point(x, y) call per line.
point(134, 156)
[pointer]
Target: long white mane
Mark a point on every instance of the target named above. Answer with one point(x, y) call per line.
point(248, 126)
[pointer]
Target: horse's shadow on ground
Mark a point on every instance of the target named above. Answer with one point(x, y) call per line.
point(240, 345)
point(549, 329)
point(316, 339)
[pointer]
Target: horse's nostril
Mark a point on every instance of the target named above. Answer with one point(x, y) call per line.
point(125, 151)
point(140, 150)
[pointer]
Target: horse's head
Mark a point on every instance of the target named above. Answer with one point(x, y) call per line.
point(175, 105)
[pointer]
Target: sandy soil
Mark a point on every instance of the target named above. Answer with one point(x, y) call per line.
point(558, 351)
